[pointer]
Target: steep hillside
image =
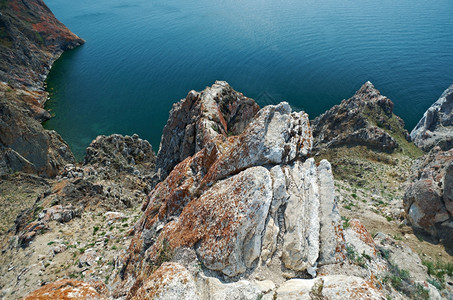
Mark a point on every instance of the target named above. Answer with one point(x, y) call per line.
point(31, 39)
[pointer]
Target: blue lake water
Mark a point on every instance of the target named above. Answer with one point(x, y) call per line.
point(141, 56)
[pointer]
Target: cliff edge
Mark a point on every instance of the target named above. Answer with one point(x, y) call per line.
point(31, 39)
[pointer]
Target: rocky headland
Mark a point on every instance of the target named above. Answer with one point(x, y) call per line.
point(31, 39)
point(240, 202)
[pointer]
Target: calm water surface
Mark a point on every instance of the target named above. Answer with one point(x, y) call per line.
point(143, 55)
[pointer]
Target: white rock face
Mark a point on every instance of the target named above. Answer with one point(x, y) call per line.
point(171, 281)
point(331, 238)
point(435, 128)
point(301, 239)
point(296, 289)
point(213, 288)
point(239, 205)
point(328, 287)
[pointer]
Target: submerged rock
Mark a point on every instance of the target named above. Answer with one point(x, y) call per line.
point(435, 128)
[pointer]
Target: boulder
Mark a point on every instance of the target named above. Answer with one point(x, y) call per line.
point(329, 287)
point(428, 201)
point(170, 281)
point(435, 128)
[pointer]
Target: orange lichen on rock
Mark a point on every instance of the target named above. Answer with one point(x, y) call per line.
point(66, 289)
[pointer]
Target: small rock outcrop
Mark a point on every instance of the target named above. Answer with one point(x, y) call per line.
point(198, 119)
point(121, 154)
point(435, 128)
point(246, 204)
point(428, 201)
point(364, 119)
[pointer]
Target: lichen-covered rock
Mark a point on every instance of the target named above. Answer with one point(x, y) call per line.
point(435, 128)
point(236, 209)
point(117, 153)
point(428, 202)
point(170, 281)
point(243, 203)
point(364, 119)
point(32, 39)
point(198, 119)
point(69, 289)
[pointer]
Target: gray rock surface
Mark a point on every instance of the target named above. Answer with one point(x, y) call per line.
point(24, 145)
point(198, 119)
point(435, 128)
point(364, 119)
point(251, 203)
point(121, 154)
point(428, 202)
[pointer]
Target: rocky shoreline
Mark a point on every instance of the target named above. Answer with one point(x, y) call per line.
point(240, 202)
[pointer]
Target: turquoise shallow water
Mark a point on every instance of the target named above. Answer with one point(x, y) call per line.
point(141, 56)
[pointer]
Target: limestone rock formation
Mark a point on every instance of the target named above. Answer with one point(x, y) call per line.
point(435, 128)
point(328, 287)
point(428, 201)
point(243, 204)
point(364, 119)
point(198, 119)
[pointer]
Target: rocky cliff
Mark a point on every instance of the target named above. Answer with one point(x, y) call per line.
point(248, 215)
point(238, 201)
point(198, 119)
point(24, 144)
point(31, 39)
point(238, 209)
point(435, 128)
point(428, 202)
